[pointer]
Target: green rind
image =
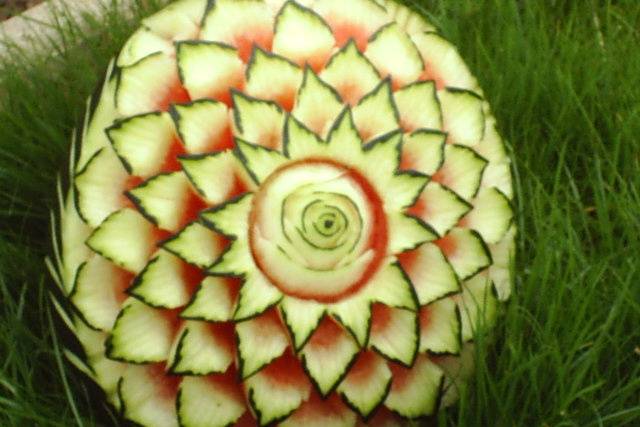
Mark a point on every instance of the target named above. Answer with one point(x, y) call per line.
point(431, 275)
point(391, 286)
point(463, 114)
point(230, 218)
point(405, 188)
point(201, 402)
point(392, 346)
point(142, 43)
point(349, 63)
point(355, 315)
point(391, 50)
point(445, 207)
point(142, 141)
point(268, 75)
point(293, 21)
point(421, 396)
point(327, 364)
point(407, 232)
point(214, 301)
point(124, 237)
point(302, 318)
point(143, 85)
point(198, 122)
point(378, 110)
point(179, 20)
point(491, 216)
point(199, 351)
point(478, 306)
point(365, 400)
point(93, 295)
point(98, 187)
point(196, 245)
point(442, 332)
point(428, 146)
point(269, 404)
point(140, 401)
point(438, 52)
point(474, 255)
point(212, 174)
point(227, 20)
point(419, 106)
point(206, 68)
point(160, 284)
point(162, 199)
point(261, 340)
point(466, 168)
point(257, 295)
point(299, 141)
point(257, 119)
point(316, 99)
point(260, 162)
point(141, 334)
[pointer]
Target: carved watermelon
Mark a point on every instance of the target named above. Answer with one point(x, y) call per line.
point(284, 212)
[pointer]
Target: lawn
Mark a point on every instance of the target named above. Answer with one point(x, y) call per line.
point(563, 78)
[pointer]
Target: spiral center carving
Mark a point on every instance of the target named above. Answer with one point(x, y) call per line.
point(317, 229)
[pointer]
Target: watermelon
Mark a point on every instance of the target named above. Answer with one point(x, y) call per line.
point(284, 212)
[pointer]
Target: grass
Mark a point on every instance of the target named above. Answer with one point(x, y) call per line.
point(563, 78)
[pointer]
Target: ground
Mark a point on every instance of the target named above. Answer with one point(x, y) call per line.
point(9, 8)
point(563, 79)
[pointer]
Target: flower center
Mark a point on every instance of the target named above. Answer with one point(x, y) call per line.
point(317, 230)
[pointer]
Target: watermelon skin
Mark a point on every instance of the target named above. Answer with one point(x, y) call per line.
point(294, 213)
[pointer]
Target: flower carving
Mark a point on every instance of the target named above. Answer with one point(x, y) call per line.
point(285, 212)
